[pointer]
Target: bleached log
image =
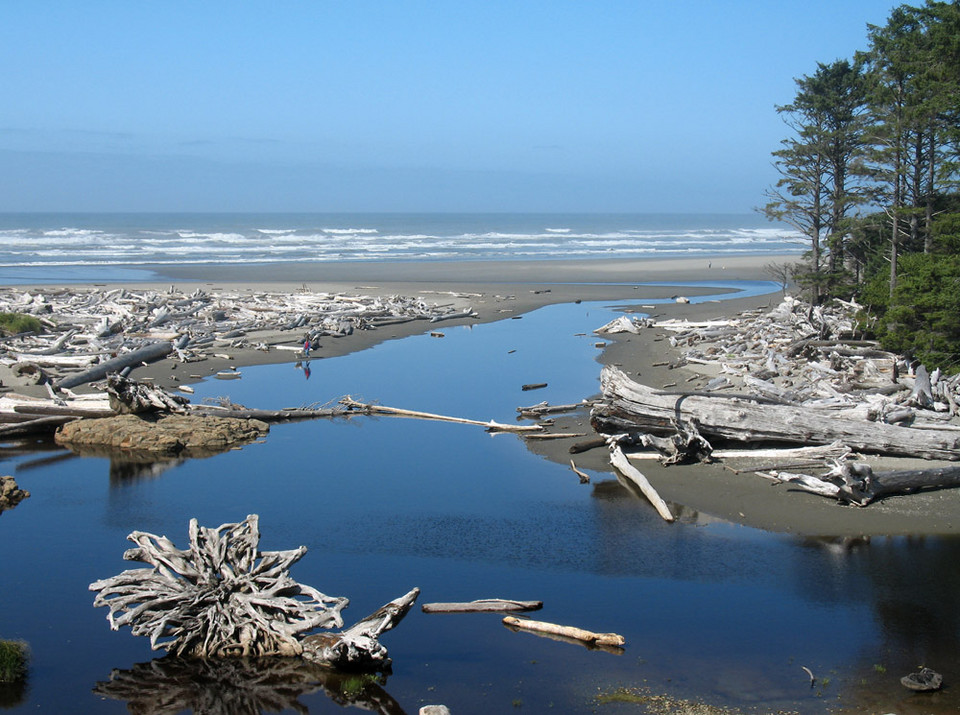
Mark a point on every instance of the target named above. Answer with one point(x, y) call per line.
point(636, 477)
point(491, 426)
point(146, 354)
point(483, 605)
point(358, 647)
point(630, 406)
point(860, 485)
point(608, 639)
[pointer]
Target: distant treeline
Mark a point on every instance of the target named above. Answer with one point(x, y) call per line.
point(869, 174)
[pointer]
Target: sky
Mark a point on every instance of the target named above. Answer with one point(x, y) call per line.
point(362, 105)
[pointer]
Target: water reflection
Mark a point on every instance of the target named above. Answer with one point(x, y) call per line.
point(240, 686)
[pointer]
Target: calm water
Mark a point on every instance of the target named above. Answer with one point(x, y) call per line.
point(708, 609)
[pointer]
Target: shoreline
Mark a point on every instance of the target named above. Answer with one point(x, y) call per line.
point(500, 290)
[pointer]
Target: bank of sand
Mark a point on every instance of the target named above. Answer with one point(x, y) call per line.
point(500, 290)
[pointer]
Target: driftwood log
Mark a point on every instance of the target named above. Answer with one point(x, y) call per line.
point(223, 597)
point(569, 632)
point(483, 605)
point(146, 354)
point(858, 484)
point(629, 406)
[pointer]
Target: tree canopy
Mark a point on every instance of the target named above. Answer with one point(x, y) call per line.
point(870, 175)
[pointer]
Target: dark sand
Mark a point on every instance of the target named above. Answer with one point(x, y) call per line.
point(498, 290)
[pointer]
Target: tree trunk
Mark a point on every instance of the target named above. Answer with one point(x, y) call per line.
point(630, 406)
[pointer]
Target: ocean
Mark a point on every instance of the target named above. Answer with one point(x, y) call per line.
point(61, 245)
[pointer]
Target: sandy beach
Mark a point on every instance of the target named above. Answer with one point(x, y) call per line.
point(503, 290)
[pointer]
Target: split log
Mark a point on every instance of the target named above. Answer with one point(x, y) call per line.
point(146, 354)
point(630, 406)
point(635, 476)
point(589, 637)
point(483, 605)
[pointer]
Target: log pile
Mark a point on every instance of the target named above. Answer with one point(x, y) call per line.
point(222, 597)
point(794, 375)
point(804, 356)
point(91, 332)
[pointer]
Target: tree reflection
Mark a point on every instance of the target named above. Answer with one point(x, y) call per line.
point(240, 686)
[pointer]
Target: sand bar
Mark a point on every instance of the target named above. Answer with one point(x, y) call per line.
point(504, 289)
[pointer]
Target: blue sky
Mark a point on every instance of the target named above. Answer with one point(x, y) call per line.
point(357, 105)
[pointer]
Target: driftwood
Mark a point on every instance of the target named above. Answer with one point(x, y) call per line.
point(484, 605)
point(223, 597)
point(630, 406)
point(232, 686)
point(357, 647)
point(858, 484)
point(579, 634)
point(86, 328)
point(371, 409)
point(636, 477)
point(148, 353)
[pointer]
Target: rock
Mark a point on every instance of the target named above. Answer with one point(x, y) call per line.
point(925, 679)
point(183, 435)
point(10, 493)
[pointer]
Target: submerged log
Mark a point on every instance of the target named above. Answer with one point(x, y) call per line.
point(630, 406)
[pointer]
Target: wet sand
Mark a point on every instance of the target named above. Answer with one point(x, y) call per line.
point(502, 290)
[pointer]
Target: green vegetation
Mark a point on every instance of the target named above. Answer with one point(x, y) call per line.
point(871, 177)
point(13, 661)
point(14, 323)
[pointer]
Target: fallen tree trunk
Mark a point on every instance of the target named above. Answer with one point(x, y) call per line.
point(859, 484)
point(371, 409)
point(483, 605)
point(35, 426)
point(629, 406)
point(608, 639)
point(148, 353)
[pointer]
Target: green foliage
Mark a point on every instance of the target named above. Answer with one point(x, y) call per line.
point(13, 661)
point(922, 317)
point(14, 323)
